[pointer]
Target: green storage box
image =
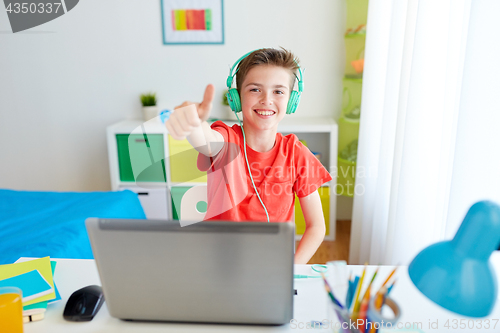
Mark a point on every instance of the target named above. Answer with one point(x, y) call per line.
point(145, 154)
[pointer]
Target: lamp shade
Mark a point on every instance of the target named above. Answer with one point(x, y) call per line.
point(457, 274)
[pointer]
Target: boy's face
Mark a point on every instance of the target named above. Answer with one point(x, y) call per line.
point(264, 96)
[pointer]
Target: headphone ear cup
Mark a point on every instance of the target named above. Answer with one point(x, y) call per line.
point(233, 98)
point(293, 102)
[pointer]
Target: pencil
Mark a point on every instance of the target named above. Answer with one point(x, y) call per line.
point(388, 278)
point(330, 293)
point(379, 302)
point(356, 299)
point(370, 284)
point(390, 288)
point(349, 289)
point(379, 298)
point(364, 309)
point(352, 289)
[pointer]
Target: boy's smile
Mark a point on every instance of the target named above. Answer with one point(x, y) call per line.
point(264, 96)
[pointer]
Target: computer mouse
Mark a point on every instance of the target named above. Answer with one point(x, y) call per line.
point(84, 304)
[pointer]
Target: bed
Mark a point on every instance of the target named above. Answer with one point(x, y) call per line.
point(39, 224)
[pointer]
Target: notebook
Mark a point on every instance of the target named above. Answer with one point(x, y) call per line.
point(42, 265)
point(53, 264)
point(211, 272)
point(31, 283)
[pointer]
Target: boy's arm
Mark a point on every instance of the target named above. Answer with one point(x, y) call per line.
point(315, 228)
point(205, 140)
point(189, 121)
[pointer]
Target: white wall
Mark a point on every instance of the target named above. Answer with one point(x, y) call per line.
point(63, 82)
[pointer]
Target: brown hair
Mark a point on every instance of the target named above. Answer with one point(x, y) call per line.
point(281, 58)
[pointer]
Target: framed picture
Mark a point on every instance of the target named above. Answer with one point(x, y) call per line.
point(192, 21)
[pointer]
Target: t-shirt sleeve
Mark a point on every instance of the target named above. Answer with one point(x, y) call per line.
point(228, 151)
point(310, 173)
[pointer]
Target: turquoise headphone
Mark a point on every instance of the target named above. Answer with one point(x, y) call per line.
point(233, 97)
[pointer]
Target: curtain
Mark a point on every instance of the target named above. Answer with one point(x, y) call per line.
point(429, 140)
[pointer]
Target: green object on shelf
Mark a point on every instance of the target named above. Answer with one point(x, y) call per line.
point(351, 95)
point(354, 113)
point(147, 152)
point(359, 34)
point(350, 152)
point(148, 99)
point(354, 50)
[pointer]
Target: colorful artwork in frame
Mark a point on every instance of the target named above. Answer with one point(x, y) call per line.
point(192, 21)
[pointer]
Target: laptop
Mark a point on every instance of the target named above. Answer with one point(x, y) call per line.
point(208, 272)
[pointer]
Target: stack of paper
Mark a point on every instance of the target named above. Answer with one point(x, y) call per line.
point(35, 279)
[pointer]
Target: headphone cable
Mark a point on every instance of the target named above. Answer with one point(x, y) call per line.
point(248, 166)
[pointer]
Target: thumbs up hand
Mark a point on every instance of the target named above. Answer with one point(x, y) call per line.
point(189, 116)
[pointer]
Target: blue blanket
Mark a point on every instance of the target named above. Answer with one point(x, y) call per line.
point(39, 224)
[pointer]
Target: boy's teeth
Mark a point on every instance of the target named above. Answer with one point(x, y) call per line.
point(265, 113)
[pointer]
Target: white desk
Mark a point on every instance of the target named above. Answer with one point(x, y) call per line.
point(310, 303)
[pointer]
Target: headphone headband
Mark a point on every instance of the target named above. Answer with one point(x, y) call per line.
point(300, 83)
point(230, 78)
point(229, 81)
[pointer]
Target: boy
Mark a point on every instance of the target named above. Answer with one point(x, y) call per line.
point(280, 166)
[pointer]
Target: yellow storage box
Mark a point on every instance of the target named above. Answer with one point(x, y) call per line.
point(183, 158)
point(300, 223)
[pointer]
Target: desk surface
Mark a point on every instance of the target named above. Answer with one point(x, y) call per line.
point(310, 303)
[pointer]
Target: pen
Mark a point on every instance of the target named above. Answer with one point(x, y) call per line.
point(300, 276)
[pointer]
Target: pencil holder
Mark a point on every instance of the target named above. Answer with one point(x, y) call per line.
point(340, 321)
point(376, 320)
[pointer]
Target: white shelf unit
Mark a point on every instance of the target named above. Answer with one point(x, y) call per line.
point(154, 196)
point(321, 134)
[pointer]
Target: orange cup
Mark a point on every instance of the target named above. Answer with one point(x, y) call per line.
point(11, 310)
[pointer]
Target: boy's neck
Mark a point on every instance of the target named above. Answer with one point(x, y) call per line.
point(259, 140)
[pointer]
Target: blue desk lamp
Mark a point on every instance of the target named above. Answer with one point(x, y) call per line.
point(456, 274)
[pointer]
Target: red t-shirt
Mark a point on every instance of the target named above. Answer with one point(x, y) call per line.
point(288, 168)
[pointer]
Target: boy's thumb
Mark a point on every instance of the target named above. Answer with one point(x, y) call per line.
point(206, 106)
